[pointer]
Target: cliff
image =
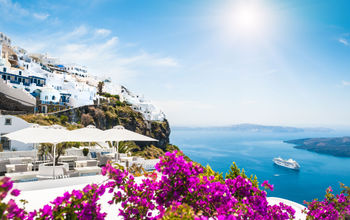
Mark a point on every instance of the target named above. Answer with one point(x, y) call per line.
point(107, 116)
point(337, 146)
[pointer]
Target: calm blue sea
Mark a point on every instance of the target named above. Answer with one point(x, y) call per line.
point(254, 152)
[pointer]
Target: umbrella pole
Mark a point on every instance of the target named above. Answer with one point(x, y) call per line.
point(118, 151)
point(54, 158)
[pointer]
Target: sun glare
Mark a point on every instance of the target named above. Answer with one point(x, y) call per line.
point(247, 18)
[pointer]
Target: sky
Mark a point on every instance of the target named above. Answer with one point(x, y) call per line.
point(204, 62)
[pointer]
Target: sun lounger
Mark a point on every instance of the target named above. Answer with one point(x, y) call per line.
point(68, 159)
point(87, 167)
point(29, 175)
point(103, 159)
point(16, 168)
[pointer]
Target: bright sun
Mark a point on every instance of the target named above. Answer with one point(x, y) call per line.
point(247, 19)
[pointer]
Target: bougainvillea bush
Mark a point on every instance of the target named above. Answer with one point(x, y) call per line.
point(179, 189)
point(181, 185)
point(332, 207)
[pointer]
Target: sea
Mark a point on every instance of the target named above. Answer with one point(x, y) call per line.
point(254, 151)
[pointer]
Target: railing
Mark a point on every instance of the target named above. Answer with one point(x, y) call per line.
point(54, 103)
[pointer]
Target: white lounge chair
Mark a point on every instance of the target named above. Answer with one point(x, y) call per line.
point(19, 172)
point(103, 159)
point(16, 168)
point(87, 167)
point(28, 175)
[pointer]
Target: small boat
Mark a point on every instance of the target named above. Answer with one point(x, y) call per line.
point(290, 163)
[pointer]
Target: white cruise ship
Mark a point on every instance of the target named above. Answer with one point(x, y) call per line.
point(290, 163)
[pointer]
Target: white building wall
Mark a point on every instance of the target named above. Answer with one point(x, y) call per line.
point(10, 123)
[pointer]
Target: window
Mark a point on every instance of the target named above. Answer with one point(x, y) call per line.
point(8, 121)
point(46, 97)
point(53, 97)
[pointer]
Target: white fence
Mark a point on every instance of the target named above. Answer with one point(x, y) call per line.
point(11, 154)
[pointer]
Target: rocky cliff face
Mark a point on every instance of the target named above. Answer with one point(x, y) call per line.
point(107, 116)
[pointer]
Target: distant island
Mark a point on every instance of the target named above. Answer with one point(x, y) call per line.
point(338, 146)
point(257, 128)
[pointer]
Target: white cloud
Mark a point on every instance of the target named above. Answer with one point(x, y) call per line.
point(101, 54)
point(12, 9)
point(41, 16)
point(345, 83)
point(77, 32)
point(102, 32)
point(344, 41)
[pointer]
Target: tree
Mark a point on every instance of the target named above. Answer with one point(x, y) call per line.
point(124, 146)
point(47, 149)
point(100, 87)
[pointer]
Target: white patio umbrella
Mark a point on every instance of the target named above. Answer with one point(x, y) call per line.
point(37, 134)
point(119, 133)
point(87, 134)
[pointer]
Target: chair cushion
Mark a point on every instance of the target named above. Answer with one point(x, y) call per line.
point(15, 160)
point(91, 163)
point(93, 154)
point(21, 168)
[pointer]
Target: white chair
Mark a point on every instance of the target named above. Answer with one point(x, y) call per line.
point(87, 167)
point(16, 168)
point(18, 176)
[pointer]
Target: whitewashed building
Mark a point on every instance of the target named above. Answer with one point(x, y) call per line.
point(10, 123)
point(4, 39)
point(62, 85)
point(77, 70)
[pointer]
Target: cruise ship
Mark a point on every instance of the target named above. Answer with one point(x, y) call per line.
point(290, 163)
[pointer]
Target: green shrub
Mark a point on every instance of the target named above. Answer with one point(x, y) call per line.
point(64, 119)
point(235, 171)
point(85, 151)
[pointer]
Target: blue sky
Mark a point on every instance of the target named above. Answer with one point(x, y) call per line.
point(204, 62)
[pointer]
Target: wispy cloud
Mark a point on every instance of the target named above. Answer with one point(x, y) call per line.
point(41, 16)
point(14, 11)
point(79, 31)
point(102, 32)
point(343, 41)
point(9, 8)
point(345, 83)
point(101, 53)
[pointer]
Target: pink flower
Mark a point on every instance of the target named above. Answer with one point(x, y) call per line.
point(15, 192)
